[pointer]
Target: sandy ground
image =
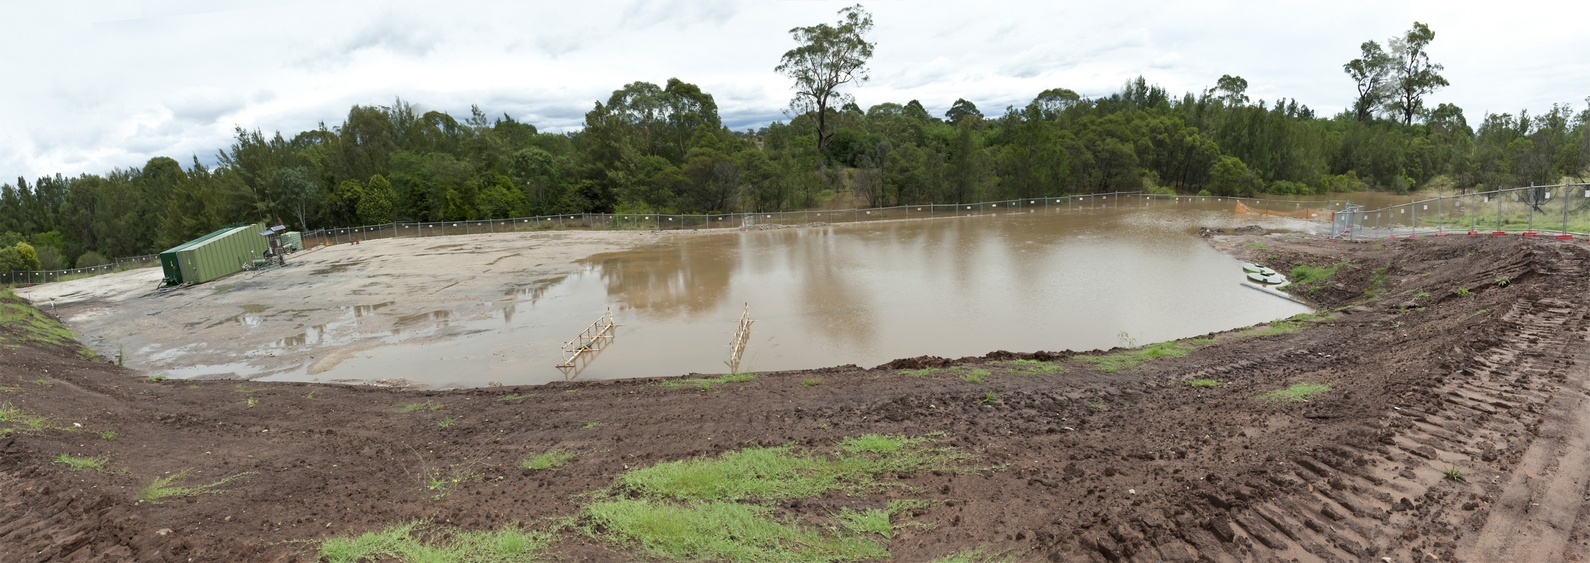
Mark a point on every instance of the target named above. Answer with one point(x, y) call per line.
point(331, 303)
point(1454, 429)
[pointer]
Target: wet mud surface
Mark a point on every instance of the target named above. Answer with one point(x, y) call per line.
point(1089, 465)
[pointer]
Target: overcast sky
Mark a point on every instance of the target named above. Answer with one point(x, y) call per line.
point(91, 86)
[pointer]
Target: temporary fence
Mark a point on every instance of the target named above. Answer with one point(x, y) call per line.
point(1560, 210)
point(1310, 210)
point(1304, 210)
point(46, 276)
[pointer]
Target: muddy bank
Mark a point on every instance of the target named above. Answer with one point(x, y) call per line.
point(1444, 357)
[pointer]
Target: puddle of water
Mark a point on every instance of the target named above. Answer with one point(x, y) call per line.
point(863, 294)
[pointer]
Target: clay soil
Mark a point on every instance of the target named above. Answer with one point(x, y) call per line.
point(1427, 382)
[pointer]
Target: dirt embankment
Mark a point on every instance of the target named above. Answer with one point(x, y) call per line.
point(1453, 429)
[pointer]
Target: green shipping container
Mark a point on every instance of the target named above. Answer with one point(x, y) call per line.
point(168, 259)
point(221, 255)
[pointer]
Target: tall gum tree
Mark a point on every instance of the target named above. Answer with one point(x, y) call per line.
point(1414, 74)
point(829, 56)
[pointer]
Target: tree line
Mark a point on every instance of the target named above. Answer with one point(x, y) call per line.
point(664, 149)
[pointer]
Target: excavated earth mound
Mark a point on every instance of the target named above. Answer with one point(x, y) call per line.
point(1454, 427)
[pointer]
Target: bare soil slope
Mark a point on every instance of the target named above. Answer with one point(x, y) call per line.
point(1426, 382)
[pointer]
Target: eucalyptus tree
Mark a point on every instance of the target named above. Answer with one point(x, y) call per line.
point(1414, 74)
point(1371, 72)
point(828, 57)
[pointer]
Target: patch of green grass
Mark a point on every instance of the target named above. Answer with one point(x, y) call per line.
point(704, 383)
point(980, 554)
point(1258, 245)
point(990, 398)
point(1305, 274)
point(418, 406)
point(1452, 473)
point(550, 459)
point(1134, 358)
point(511, 398)
point(43, 382)
point(157, 377)
point(80, 463)
point(591, 424)
point(1421, 295)
point(728, 531)
point(162, 488)
point(771, 473)
point(811, 382)
point(1464, 292)
point(29, 323)
point(866, 521)
point(404, 542)
point(1377, 283)
point(448, 421)
point(107, 435)
point(251, 402)
point(1502, 281)
point(1032, 367)
point(1201, 383)
point(1296, 393)
point(974, 375)
point(1476, 314)
point(1289, 325)
point(20, 420)
point(10, 389)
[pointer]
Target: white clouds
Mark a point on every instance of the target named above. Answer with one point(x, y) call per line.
point(101, 86)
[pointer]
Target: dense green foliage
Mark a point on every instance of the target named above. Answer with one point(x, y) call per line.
point(651, 148)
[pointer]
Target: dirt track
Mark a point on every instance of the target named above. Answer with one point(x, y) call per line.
point(1093, 465)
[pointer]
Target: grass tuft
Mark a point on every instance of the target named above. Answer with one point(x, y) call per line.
point(20, 420)
point(107, 435)
point(448, 421)
point(418, 406)
point(707, 382)
point(1201, 383)
point(975, 375)
point(980, 554)
point(550, 459)
point(728, 531)
point(507, 544)
point(1133, 359)
point(162, 488)
point(771, 473)
point(80, 463)
point(1452, 473)
point(1032, 367)
point(811, 382)
point(1297, 393)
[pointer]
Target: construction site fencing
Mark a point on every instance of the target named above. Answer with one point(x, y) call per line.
point(46, 276)
point(1307, 210)
point(679, 222)
point(1560, 210)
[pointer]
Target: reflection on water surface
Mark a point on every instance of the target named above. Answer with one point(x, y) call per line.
point(854, 294)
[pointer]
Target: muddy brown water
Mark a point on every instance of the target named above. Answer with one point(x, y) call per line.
point(1037, 279)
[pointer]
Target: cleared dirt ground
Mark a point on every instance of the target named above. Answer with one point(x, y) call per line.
point(1079, 464)
point(226, 327)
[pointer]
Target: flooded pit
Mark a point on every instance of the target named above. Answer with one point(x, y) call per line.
point(852, 294)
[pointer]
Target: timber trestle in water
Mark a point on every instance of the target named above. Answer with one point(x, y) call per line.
point(591, 340)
